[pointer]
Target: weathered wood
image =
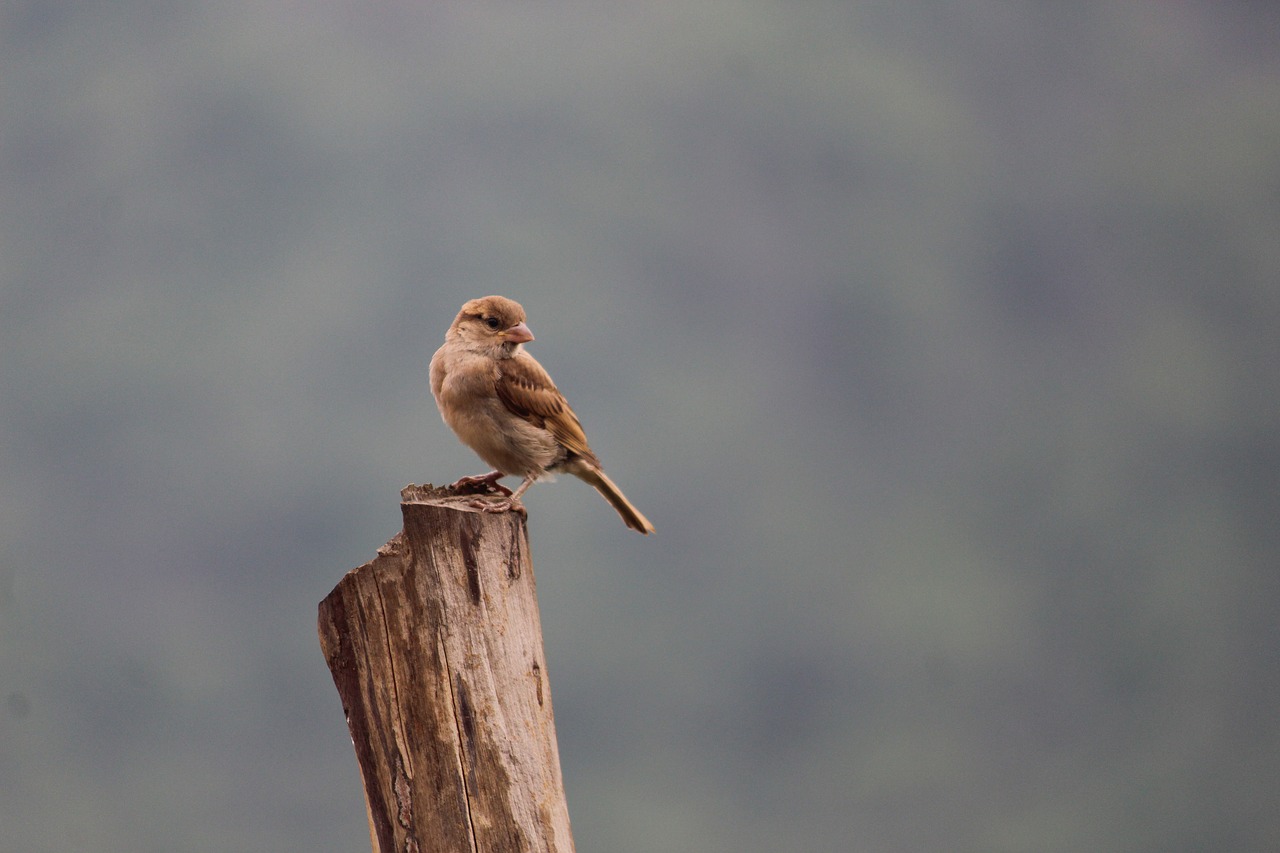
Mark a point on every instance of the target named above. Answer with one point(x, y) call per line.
point(436, 650)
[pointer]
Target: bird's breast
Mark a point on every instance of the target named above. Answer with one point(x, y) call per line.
point(467, 395)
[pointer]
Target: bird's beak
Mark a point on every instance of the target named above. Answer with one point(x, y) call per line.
point(518, 334)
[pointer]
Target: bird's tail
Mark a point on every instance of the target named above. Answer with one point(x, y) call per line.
point(633, 517)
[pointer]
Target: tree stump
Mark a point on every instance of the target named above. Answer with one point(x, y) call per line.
point(436, 650)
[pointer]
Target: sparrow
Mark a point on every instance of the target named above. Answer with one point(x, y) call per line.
point(503, 405)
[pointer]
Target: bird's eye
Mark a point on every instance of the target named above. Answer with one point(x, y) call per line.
point(492, 322)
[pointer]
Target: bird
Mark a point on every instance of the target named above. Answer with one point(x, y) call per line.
point(502, 404)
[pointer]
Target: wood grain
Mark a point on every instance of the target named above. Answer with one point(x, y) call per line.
point(436, 650)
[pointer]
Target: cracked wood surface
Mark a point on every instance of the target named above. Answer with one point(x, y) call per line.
point(436, 650)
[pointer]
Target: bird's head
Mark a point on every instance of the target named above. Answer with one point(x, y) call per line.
point(492, 323)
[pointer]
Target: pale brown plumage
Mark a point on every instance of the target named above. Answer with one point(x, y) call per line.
point(504, 406)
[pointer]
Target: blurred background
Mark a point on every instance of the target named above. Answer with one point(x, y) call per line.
point(941, 342)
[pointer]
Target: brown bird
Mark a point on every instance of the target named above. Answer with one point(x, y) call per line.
point(504, 406)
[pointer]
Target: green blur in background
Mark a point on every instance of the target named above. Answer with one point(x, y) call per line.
point(941, 343)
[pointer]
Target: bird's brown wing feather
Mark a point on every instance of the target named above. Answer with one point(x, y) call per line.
point(527, 390)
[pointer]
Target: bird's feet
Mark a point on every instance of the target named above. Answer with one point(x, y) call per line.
point(506, 504)
point(487, 484)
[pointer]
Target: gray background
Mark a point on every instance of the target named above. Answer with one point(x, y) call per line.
point(941, 342)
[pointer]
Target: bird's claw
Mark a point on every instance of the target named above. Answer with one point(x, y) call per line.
point(486, 484)
point(503, 505)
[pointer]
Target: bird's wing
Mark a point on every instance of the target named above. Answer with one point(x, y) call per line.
point(527, 390)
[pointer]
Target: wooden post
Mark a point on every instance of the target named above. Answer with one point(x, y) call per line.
point(436, 650)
